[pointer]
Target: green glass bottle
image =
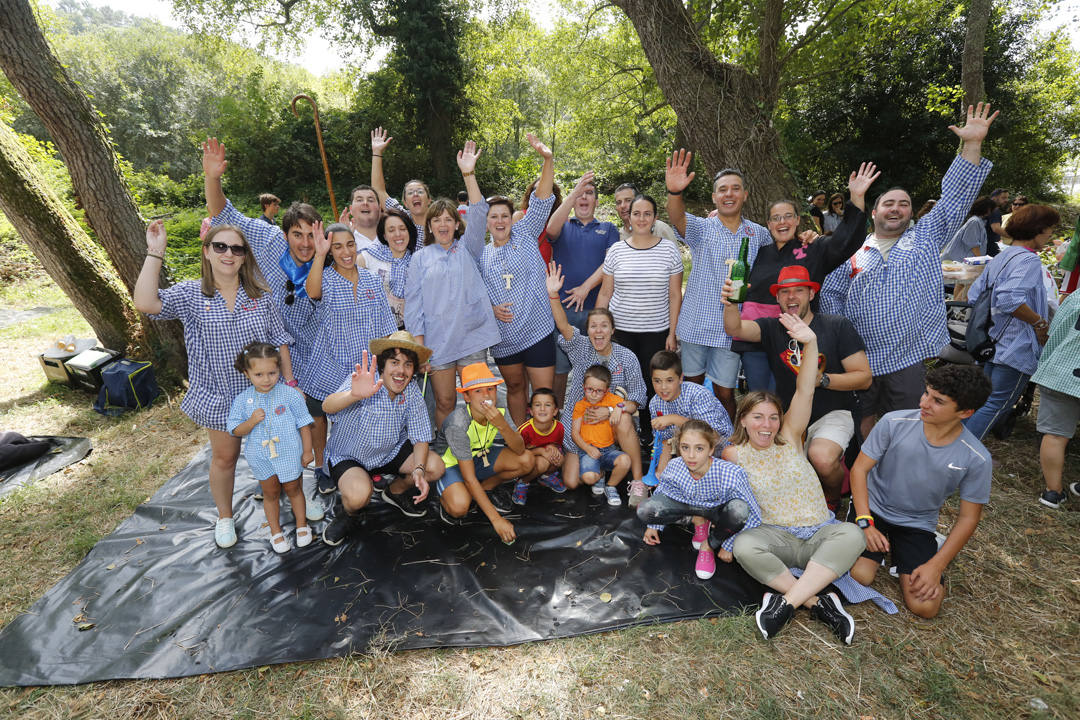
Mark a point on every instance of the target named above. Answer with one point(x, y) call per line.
point(740, 272)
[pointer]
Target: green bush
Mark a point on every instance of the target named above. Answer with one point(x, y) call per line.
point(16, 260)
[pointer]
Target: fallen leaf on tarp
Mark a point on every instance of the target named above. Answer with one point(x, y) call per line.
point(86, 626)
point(110, 566)
point(577, 544)
point(79, 618)
point(163, 527)
point(341, 618)
point(605, 597)
point(138, 541)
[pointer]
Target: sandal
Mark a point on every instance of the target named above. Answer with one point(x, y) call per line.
point(303, 536)
point(280, 543)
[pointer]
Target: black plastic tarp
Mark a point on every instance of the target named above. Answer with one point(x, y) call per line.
point(59, 452)
point(157, 599)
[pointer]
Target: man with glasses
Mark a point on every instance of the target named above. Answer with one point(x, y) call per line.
point(890, 290)
point(1018, 202)
point(714, 246)
point(284, 255)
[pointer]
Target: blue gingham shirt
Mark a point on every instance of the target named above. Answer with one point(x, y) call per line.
point(625, 373)
point(399, 267)
point(520, 257)
point(347, 323)
point(722, 482)
point(445, 298)
point(269, 244)
point(1016, 274)
point(897, 306)
point(701, 318)
point(694, 403)
point(286, 412)
point(214, 336)
point(393, 204)
point(372, 431)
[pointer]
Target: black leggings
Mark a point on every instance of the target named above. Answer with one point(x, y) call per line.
point(644, 345)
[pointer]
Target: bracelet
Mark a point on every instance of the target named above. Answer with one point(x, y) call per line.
point(468, 174)
point(159, 257)
point(421, 468)
point(860, 517)
point(375, 155)
point(672, 192)
point(1041, 324)
point(553, 297)
point(292, 383)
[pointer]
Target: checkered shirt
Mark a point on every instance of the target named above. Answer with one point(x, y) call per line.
point(625, 373)
point(214, 336)
point(694, 403)
point(286, 413)
point(1016, 278)
point(1059, 365)
point(393, 204)
point(399, 267)
point(897, 306)
point(723, 481)
point(269, 245)
point(855, 592)
point(701, 318)
point(372, 431)
point(445, 298)
point(520, 256)
point(347, 323)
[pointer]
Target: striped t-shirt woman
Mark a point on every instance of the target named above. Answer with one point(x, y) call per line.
point(640, 300)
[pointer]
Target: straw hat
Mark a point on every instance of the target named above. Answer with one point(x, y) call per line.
point(475, 376)
point(404, 340)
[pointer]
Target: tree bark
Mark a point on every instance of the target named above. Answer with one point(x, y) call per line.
point(65, 251)
point(971, 73)
point(74, 126)
point(724, 111)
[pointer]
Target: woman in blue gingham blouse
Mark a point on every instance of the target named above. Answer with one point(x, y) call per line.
point(229, 308)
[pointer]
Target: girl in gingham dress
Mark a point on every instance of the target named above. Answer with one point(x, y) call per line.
point(275, 420)
point(229, 308)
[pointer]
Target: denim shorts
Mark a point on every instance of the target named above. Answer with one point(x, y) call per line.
point(453, 473)
point(480, 356)
point(718, 364)
point(606, 463)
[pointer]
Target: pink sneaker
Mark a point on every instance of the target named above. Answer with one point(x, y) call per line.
point(701, 534)
point(637, 493)
point(705, 566)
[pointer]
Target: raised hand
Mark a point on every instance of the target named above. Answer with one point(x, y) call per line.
point(213, 158)
point(155, 238)
point(466, 157)
point(583, 182)
point(364, 384)
point(541, 149)
point(860, 180)
point(322, 243)
point(379, 141)
point(346, 217)
point(978, 123)
point(797, 329)
point(807, 237)
point(677, 173)
point(553, 280)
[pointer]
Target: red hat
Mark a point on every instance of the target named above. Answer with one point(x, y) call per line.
point(794, 276)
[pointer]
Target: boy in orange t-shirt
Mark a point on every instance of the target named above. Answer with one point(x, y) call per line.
point(598, 450)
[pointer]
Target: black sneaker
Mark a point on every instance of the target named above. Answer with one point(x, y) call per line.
point(1053, 498)
point(774, 614)
point(448, 518)
point(502, 498)
point(382, 482)
point(403, 501)
point(830, 611)
point(340, 528)
point(325, 483)
point(1074, 488)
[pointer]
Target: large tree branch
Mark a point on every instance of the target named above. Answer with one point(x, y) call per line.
point(824, 22)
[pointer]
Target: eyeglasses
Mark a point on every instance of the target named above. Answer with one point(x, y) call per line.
point(415, 191)
point(781, 218)
point(290, 298)
point(237, 250)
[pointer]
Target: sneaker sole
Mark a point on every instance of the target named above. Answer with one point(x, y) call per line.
point(845, 613)
point(408, 512)
point(757, 616)
point(1074, 488)
point(332, 543)
point(1049, 504)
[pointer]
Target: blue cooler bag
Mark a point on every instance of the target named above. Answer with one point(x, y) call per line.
point(126, 385)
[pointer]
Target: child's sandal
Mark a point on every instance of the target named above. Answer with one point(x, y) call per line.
point(303, 536)
point(280, 543)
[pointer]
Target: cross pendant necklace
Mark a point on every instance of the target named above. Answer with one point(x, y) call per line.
point(508, 277)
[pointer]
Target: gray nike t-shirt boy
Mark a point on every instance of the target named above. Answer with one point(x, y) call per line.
point(913, 478)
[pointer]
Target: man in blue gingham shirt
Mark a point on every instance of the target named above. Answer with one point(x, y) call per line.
point(891, 290)
point(706, 348)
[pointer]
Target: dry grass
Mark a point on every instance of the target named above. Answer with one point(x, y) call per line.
point(1009, 630)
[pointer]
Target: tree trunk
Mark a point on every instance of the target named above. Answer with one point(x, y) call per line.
point(724, 111)
point(59, 243)
point(971, 73)
point(75, 128)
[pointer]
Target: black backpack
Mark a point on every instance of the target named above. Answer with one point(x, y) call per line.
point(126, 385)
point(980, 343)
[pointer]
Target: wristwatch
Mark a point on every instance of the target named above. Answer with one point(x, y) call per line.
point(824, 382)
point(864, 521)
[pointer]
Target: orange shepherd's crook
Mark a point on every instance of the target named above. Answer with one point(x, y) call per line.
point(322, 150)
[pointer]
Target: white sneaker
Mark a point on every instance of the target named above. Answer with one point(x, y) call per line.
point(637, 493)
point(598, 487)
point(612, 493)
point(313, 510)
point(225, 532)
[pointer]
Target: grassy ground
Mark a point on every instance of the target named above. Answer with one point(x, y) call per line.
point(1009, 631)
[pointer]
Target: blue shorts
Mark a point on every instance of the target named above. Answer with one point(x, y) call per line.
point(540, 354)
point(718, 364)
point(576, 318)
point(453, 474)
point(608, 456)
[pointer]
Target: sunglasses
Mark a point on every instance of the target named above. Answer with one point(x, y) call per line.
point(290, 298)
point(237, 250)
